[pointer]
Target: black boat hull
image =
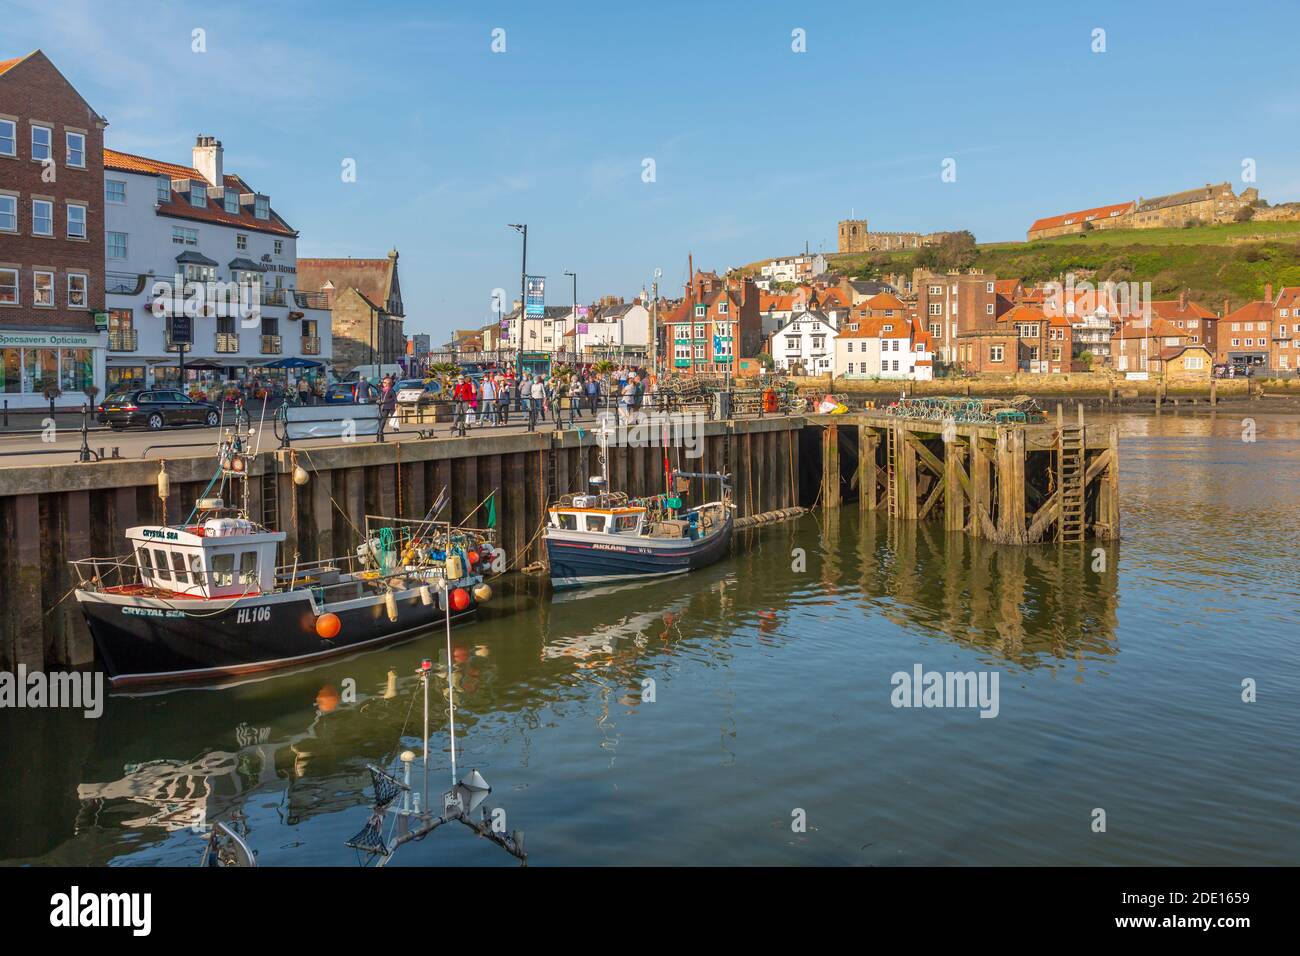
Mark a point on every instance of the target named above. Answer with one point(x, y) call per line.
point(582, 563)
point(143, 644)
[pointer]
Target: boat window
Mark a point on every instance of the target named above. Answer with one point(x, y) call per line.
point(567, 522)
point(160, 564)
point(178, 567)
point(146, 564)
point(196, 568)
point(223, 570)
point(595, 522)
point(625, 523)
point(248, 567)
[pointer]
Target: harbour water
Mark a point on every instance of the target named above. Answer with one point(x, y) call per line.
point(695, 721)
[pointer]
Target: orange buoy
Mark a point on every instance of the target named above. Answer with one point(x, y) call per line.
point(473, 558)
point(459, 599)
point(328, 625)
point(327, 699)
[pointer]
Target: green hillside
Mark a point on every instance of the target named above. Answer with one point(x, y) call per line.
point(1231, 261)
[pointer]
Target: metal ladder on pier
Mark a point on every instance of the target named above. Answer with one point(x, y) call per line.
point(891, 470)
point(270, 501)
point(1070, 461)
point(552, 481)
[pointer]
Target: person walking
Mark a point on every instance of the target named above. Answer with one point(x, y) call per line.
point(387, 404)
point(638, 397)
point(304, 391)
point(460, 406)
point(593, 395)
point(489, 396)
point(508, 392)
point(575, 400)
point(555, 394)
point(471, 399)
point(537, 407)
point(627, 397)
point(523, 393)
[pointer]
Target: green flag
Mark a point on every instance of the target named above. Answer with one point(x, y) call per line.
point(492, 510)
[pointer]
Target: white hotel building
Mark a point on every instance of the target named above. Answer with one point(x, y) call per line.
point(163, 220)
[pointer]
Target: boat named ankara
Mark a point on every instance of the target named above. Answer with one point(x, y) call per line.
point(605, 536)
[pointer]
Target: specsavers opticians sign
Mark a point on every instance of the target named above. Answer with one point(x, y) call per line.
point(71, 340)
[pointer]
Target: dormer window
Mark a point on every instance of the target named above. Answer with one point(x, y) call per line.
point(164, 189)
point(198, 195)
point(230, 201)
point(262, 207)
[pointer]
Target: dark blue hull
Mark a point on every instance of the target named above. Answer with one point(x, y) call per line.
point(580, 563)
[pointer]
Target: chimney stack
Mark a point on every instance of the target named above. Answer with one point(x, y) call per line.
point(1182, 301)
point(1268, 293)
point(1225, 308)
point(208, 159)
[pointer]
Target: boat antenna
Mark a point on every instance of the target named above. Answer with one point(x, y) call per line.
point(451, 691)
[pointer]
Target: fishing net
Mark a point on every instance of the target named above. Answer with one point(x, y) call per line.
point(387, 787)
point(371, 837)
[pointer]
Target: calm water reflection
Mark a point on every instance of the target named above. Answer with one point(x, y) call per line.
point(1120, 677)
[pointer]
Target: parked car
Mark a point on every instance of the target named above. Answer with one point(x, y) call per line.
point(346, 393)
point(154, 409)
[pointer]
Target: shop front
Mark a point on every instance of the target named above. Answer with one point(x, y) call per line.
point(35, 364)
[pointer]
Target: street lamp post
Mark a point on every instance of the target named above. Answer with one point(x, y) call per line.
point(523, 295)
point(577, 342)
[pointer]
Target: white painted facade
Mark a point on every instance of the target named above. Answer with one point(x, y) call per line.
point(271, 321)
point(806, 339)
point(794, 268)
point(891, 353)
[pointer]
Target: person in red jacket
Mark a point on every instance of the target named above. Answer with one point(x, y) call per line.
point(462, 395)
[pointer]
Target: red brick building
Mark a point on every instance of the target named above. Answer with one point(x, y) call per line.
point(51, 233)
point(951, 303)
point(1196, 320)
point(717, 321)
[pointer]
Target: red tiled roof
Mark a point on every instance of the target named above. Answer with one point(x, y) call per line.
point(1252, 312)
point(1288, 297)
point(6, 64)
point(130, 163)
point(180, 207)
point(1006, 287)
point(1172, 309)
point(1137, 329)
point(883, 300)
point(1100, 212)
point(1022, 313)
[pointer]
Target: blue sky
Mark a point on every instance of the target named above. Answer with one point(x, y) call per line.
point(757, 149)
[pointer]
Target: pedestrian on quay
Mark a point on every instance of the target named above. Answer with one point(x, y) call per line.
point(593, 394)
point(471, 400)
point(575, 399)
point(508, 393)
point(489, 400)
point(627, 396)
point(538, 405)
point(460, 405)
point(555, 395)
point(387, 403)
point(304, 391)
point(523, 393)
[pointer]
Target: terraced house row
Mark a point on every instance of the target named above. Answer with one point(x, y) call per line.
point(114, 266)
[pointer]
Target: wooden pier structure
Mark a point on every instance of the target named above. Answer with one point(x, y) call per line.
point(1011, 484)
